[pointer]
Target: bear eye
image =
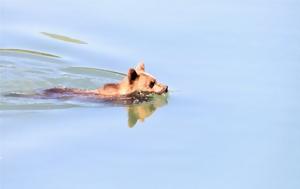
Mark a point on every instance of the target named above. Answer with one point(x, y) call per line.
point(151, 84)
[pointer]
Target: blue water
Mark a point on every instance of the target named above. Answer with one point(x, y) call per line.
point(231, 120)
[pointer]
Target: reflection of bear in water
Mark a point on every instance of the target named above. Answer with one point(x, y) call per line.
point(142, 111)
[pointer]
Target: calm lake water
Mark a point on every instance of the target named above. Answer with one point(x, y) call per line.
point(231, 119)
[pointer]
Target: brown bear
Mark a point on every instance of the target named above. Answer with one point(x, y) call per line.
point(137, 82)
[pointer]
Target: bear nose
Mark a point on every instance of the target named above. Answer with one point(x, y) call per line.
point(166, 89)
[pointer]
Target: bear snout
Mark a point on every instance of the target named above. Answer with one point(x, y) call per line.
point(166, 89)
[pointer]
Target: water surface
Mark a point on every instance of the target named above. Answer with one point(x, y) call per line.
point(231, 119)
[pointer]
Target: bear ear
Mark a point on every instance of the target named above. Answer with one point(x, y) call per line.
point(140, 67)
point(132, 75)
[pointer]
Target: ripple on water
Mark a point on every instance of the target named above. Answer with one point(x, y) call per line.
point(26, 71)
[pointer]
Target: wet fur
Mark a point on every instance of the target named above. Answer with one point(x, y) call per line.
point(134, 85)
